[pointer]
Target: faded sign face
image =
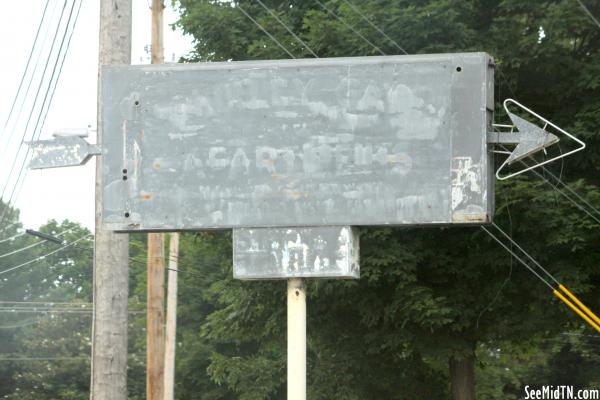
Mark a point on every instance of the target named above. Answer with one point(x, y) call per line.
point(355, 141)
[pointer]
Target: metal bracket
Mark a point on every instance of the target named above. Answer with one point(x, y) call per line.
point(529, 139)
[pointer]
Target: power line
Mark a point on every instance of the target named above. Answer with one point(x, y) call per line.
point(40, 258)
point(350, 27)
point(287, 28)
point(526, 254)
point(517, 257)
point(47, 63)
point(357, 10)
point(12, 237)
point(22, 324)
point(35, 40)
point(265, 31)
point(562, 193)
point(42, 309)
point(43, 358)
point(18, 191)
point(588, 12)
point(574, 193)
point(44, 302)
point(54, 69)
point(7, 227)
point(31, 79)
point(559, 291)
point(32, 245)
point(55, 311)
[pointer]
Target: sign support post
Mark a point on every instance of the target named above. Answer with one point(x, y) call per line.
point(296, 340)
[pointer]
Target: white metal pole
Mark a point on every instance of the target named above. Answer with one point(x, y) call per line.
point(296, 345)
point(171, 330)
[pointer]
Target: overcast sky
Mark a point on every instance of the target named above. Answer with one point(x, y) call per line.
point(64, 192)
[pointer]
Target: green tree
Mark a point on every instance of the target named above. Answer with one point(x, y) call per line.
point(31, 327)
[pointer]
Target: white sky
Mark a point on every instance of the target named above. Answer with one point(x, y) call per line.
point(64, 192)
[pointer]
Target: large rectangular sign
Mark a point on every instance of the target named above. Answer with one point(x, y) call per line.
point(397, 140)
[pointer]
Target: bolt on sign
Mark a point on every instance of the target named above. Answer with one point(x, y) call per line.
point(395, 140)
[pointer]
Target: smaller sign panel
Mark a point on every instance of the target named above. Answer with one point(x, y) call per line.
point(61, 152)
point(282, 253)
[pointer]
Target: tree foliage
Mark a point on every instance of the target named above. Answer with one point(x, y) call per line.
point(45, 353)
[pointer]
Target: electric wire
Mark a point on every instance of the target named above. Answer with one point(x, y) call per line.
point(559, 291)
point(45, 303)
point(44, 102)
point(517, 257)
point(510, 271)
point(357, 10)
point(277, 42)
point(574, 193)
point(137, 261)
point(8, 226)
point(29, 59)
point(12, 237)
point(562, 193)
point(533, 260)
point(40, 258)
point(29, 119)
point(29, 85)
point(588, 12)
point(40, 308)
point(56, 311)
point(350, 27)
point(22, 324)
point(287, 28)
point(22, 181)
point(595, 337)
point(33, 245)
point(15, 359)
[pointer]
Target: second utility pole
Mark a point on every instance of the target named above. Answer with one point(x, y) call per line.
point(155, 323)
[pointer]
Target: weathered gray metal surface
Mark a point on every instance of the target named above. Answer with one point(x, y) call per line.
point(351, 141)
point(281, 253)
point(61, 152)
point(535, 139)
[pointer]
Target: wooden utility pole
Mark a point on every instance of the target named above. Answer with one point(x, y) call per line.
point(171, 331)
point(158, 51)
point(111, 254)
point(155, 323)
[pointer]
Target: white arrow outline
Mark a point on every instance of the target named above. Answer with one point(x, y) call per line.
point(581, 147)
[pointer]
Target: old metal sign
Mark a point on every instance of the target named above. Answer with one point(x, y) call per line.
point(351, 141)
point(282, 253)
point(61, 152)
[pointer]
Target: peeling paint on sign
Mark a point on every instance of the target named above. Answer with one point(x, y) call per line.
point(282, 253)
point(397, 140)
